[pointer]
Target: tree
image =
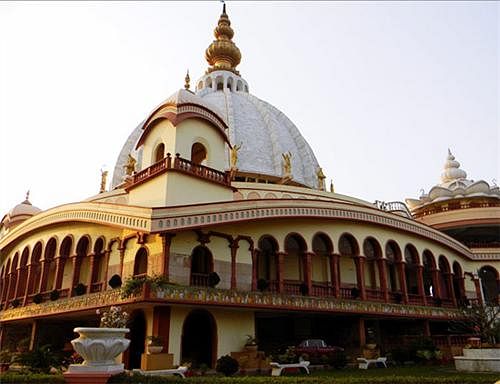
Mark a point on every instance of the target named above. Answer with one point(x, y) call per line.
point(483, 321)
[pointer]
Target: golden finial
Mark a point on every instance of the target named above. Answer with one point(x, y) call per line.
point(104, 176)
point(187, 80)
point(27, 195)
point(223, 54)
point(287, 164)
point(332, 190)
point(130, 165)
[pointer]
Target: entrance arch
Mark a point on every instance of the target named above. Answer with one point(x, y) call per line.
point(199, 339)
point(137, 337)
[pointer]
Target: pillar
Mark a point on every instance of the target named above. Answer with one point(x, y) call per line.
point(360, 275)
point(427, 328)
point(334, 273)
point(402, 280)
point(91, 277)
point(436, 285)
point(477, 285)
point(44, 275)
point(451, 288)
point(122, 256)
point(34, 333)
point(308, 271)
point(420, 283)
point(105, 260)
point(60, 263)
point(166, 240)
point(382, 270)
point(161, 324)
point(361, 332)
point(76, 272)
point(234, 249)
point(29, 283)
point(255, 256)
point(281, 271)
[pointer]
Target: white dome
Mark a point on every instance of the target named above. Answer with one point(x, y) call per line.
point(264, 132)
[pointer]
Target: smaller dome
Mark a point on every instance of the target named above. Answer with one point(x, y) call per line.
point(20, 213)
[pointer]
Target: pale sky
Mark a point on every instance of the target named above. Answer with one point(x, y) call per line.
point(380, 90)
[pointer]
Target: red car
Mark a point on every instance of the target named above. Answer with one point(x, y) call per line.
point(316, 347)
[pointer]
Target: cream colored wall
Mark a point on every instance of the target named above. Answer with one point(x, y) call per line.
point(232, 328)
point(163, 132)
point(152, 193)
point(191, 131)
point(183, 190)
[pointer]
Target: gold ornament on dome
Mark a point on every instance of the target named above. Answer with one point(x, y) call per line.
point(287, 164)
point(187, 81)
point(104, 177)
point(223, 54)
point(234, 155)
point(130, 166)
point(321, 179)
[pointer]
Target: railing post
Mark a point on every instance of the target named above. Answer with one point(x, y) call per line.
point(360, 275)
point(308, 272)
point(255, 254)
point(234, 248)
point(402, 280)
point(420, 283)
point(281, 271)
point(382, 270)
point(334, 273)
point(169, 160)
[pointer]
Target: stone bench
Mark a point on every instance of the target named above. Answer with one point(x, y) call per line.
point(364, 363)
point(181, 372)
point(277, 368)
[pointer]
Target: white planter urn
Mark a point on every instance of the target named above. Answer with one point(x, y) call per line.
point(99, 347)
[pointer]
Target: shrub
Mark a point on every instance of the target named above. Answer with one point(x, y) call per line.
point(213, 279)
point(54, 295)
point(262, 284)
point(39, 360)
point(227, 365)
point(15, 303)
point(133, 286)
point(80, 289)
point(38, 298)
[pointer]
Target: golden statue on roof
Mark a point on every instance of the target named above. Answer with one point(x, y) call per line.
point(287, 164)
point(321, 179)
point(234, 155)
point(130, 166)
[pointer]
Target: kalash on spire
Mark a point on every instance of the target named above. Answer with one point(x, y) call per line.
point(223, 54)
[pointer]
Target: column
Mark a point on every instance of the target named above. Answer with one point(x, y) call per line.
point(308, 271)
point(29, 283)
point(427, 328)
point(477, 285)
point(60, 263)
point(436, 286)
point(166, 240)
point(334, 273)
point(255, 255)
point(9, 287)
point(360, 275)
point(161, 325)
point(234, 249)
point(451, 288)
point(34, 332)
point(44, 274)
point(382, 270)
point(75, 274)
point(402, 280)
point(361, 332)
point(281, 271)
point(122, 256)
point(105, 260)
point(420, 283)
point(91, 277)
point(18, 279)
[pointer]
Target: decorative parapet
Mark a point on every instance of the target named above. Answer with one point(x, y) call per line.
point(228, 298)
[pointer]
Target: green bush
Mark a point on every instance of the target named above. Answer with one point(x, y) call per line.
point(31, 378)
point(227, 365)
point(39, 360)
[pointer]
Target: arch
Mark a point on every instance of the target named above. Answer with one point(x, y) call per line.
point(200, 85)
point(34, 278)
point(219, 83)
point(239, 86)
point(7, 280)
point(98, 266)
point(13, 277)
point(229, 84)
point(202, 264)
point(489, 283)
point(429, 264)
point(267, 262)
point(411, 268)
point(321, 271)
point(208, 82)
point(458, 283)
point(444, 276)
point(373, 252)
point(159, 153)
point(82, 264)
point(141, 262)
point(137, 325)
point(392, 255)
point(198, 153)
point(49, 266)
point(199, 338)
point(253, 195)
point(348, 246)
point(294, 265)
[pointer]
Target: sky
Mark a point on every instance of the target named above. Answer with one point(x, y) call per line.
point(380, 90)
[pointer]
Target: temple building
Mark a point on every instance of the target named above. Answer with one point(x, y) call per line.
point(217, 192)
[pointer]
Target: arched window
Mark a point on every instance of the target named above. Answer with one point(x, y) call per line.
point(489, 283)
point(411, 268)
point(391, 255)
point(23, 273)
point(444, 275)
point(200, 85)
point(159, 152)
point(267, 261)
point(6, 280)
point(34, 283)
point(198, 153)
point(229, 84)
point(220, 83)
point(458, 283)
point(348, 247)
point(97, 275)
point(201, 266)
point(65, 266)
point(49, 273)
point(371, 250)
point(141, 262)
point(208, 82)
point(13, 277)
point(82, 265)
point(429, 266)
point(294, 268)
point(322, 249)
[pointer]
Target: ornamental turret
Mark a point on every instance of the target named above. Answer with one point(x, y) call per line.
point(223, 54)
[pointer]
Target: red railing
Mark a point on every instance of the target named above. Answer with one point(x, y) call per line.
point(292, 287)
point(415, 299)
point(374, 294)
point(322, 289)
point(346, 292)
point(95, 287)
point(182, 165)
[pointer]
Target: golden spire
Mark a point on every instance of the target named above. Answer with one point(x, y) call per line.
point(187, 80)
point(223, 54)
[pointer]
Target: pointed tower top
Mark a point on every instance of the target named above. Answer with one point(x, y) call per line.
point(452, 170)
point(223, 54)
point(187, 81)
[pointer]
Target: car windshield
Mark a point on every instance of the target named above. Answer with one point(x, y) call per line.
point(316, 343)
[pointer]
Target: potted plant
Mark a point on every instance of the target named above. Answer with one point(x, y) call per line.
point(133, 286)
point(262, 284)
point(80, 289)
point(38, 298)
point(251, 343)
point(100, 346)
point(155, 344)
point(23, 344)
point(15, 303)
point(213, 279)
point(115, 281)
point(54, 295)
point(159, 283)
